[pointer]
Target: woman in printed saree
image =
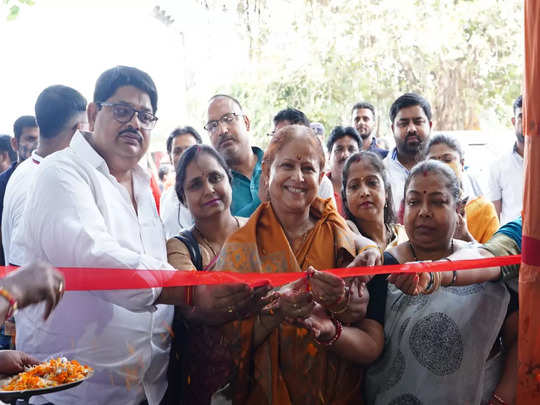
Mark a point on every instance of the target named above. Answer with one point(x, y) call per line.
point(442, 345)
point(367, 200)
point(203, 185)
point(309, 346)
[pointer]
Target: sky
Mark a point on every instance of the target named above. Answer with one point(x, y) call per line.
point(72, 42)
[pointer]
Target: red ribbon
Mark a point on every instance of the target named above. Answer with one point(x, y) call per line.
point(85, 279)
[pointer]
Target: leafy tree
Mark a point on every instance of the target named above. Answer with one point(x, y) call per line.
point(14, 9)
point(324, 55)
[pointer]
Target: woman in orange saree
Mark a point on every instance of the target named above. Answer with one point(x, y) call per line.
point(310, 346)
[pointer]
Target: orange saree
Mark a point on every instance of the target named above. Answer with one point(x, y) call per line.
point(482, 219)
point(289, 367)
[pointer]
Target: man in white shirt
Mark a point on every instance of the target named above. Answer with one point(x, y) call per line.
point(92, 206)
point(410, 116)
point(60, 111)
point(505, 184)
point(176, 216)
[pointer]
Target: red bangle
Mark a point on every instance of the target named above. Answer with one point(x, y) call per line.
point(12, 302)
point(339, 329)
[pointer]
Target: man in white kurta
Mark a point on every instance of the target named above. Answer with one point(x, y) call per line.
point(91, 206)
point(60, 111)
point(506, 175)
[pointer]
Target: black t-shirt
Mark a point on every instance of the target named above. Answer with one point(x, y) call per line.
point(378, 288)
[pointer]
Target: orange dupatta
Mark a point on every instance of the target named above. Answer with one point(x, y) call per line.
point(482, 220)
point(289, 367)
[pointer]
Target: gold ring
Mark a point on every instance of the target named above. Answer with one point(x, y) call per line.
point(230, 309)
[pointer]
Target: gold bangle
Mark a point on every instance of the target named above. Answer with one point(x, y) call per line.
point(368, 247)
point(438, 280)
point(346, 299)
point(454, 279)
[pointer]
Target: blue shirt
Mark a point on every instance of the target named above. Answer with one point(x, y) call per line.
point(374, 148)
point(6, 340)
point(245, 192)
point(4, 177)
point(513, 230)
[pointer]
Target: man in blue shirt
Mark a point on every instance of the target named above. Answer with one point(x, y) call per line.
point(7, 154)
point(228, 128)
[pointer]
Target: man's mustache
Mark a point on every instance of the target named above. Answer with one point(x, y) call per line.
point(132, 131)
point(415, 135)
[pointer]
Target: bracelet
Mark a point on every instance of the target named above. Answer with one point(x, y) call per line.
point(188, 298)
point(11, 300)
point(429, 288)
point(454, 278)
point(434, 283)
point(345, 307)
point(339, 329)
point(454, 274)
point(438, 277)
point(368, 247)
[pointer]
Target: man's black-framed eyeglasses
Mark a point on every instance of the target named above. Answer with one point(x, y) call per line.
point(212, 126)
point(124, 113)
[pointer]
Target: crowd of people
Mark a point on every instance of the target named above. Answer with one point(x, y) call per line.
point(75, 193)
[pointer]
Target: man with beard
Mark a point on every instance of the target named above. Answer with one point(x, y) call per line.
point(228, 128)
point(25, 141)
point(341, 144)
point(410, 115)
point(363, 117)
point(505, 186)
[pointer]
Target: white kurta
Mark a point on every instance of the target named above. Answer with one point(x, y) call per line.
point(506, 177)
point(397, 176)
point(14, 202)
point(174, 215)
point(78, 215)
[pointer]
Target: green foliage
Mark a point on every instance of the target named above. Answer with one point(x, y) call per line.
point(323, 56)
point(14, 9)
